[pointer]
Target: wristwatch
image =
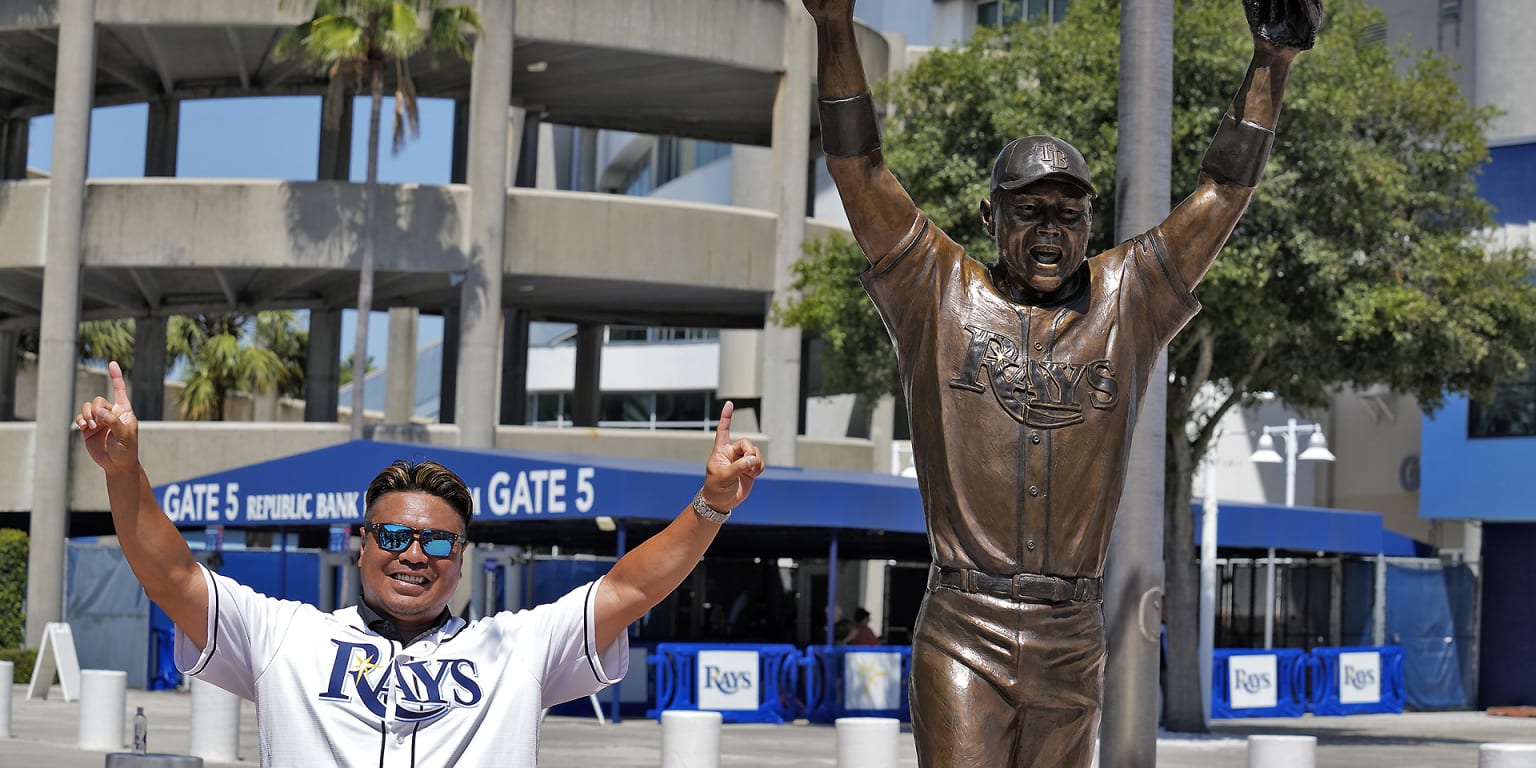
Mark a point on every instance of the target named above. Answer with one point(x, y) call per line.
point(704, 510)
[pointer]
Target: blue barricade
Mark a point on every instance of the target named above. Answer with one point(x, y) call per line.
point(1356, 681)
point(1259, 683)
point(857, 681)
point(744, 683)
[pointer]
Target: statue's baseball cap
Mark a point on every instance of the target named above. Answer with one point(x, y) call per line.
point(1032, 158)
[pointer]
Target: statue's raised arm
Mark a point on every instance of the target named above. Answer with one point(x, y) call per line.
point(879, 210)
point(1200, 225)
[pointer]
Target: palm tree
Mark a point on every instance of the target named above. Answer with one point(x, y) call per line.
point(353, 42)
point(219, 360)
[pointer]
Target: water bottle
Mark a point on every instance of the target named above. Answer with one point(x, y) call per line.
point(140, 732)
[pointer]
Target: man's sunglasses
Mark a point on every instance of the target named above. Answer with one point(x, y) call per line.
point(397, 538)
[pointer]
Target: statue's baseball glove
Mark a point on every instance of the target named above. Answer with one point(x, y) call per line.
point(1286, 23)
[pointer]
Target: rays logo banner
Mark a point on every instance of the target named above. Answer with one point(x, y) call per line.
point(1359, 678)
point(871, 680)
point(1251, 682)
point(728, 680)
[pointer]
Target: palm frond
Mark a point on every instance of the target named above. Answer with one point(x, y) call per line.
point(452, 29)
point(398, 32)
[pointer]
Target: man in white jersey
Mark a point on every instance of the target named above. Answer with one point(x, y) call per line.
point(398, 680)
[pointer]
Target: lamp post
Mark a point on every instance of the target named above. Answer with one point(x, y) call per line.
point(1317, 450)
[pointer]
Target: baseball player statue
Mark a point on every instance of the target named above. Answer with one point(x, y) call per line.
point(1023, 382)
point(399, 680)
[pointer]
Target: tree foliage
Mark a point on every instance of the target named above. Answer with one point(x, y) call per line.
point(354, 43)
point(230, 352)
point(1359, 261)
point(13, 591)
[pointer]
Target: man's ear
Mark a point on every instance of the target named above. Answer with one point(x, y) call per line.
point(986, 217)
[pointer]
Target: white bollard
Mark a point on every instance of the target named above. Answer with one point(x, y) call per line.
point(215, 723)
point(103, 704)
point(7, 679)
point(1506, 756)
point(1282, 751)
point(690, 739)
point(867, 742)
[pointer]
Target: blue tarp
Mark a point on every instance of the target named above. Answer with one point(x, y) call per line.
point(325, 487)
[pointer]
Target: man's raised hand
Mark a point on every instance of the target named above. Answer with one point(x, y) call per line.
point(1287, 23)
point(110, 429)
point(732, 466)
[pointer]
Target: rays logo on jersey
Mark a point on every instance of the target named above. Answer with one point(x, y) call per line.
point(1041, 393)
point(425, 689)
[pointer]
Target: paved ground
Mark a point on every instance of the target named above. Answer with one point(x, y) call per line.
point(44, 733)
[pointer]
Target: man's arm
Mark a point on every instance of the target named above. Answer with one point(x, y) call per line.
point(648, 573)
point(1200, 225)
point(879, 209)
point(155, 550)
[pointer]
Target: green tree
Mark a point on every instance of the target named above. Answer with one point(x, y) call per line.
point(349, 365)
point(99, 340)
point(13, 591)
point(1358, 261)
point(221, 356)
point(356, 43)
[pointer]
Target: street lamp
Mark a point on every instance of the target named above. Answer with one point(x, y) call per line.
point(1317, 450)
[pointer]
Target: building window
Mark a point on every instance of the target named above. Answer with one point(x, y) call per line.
point(650, 334)
point(999, 13)
point(1512, 412)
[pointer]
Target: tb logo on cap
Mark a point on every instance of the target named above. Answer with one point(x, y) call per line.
point(1052, 156)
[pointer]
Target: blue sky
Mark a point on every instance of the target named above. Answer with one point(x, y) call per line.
point(265, 138)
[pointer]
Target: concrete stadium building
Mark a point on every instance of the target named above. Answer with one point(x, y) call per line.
point(489, 257)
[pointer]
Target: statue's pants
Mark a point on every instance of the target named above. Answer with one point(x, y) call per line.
point(1002, 683)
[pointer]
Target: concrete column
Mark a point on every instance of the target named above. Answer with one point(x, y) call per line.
point(160, 142)
point(335, 158)
point(514, 366)
point(882, 433)
point(490, 98)
point(586, 160)
point(1133, 571)
point(148, 386)
point(9, 369)
point(74, 88)
point(587, 402)
point(13, 148)
point(322, 377)
point(780, 418)
point(400, 370)
point(448, 385)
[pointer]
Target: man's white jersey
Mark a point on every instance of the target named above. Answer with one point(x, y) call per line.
point(330, 691)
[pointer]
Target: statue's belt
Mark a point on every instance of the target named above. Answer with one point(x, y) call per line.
point(1020, 587)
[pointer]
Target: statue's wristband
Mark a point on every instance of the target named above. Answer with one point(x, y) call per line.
point(1238, 152)
point(704, 510)
point(848, 126)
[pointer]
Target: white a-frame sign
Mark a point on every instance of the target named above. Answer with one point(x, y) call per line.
point(56, 653)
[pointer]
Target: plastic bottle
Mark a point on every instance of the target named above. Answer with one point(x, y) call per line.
point(140, 732)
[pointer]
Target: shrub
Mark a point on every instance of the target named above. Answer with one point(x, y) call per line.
point(13, 591)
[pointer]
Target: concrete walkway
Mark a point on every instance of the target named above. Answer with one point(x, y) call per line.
point(44, 733)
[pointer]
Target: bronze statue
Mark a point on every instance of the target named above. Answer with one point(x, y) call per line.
point(1023, 382)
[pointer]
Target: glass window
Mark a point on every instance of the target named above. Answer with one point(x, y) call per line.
point(1511, 413)
point(550, 409)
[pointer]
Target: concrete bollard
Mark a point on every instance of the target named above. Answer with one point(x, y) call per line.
point(867, 742)
point(690, 739)
point(215, 724)
point(1282, 751)
point(7, 679)
point(103, 704)
point(1506, 756)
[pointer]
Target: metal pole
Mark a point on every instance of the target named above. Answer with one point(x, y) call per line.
point(619, 549)
point(832, 589)
point(1288, 434)
point(1207, 650)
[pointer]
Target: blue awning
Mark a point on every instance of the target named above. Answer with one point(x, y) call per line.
point(326, 486)
point(1260, 526)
